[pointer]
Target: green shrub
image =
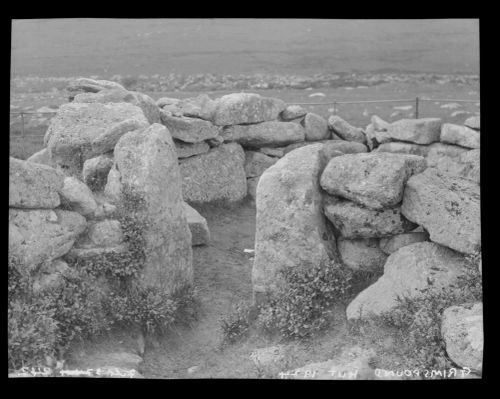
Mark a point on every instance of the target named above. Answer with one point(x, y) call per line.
point(236, 324)
point(302, 304)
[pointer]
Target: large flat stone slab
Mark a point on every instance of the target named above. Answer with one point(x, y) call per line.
point(265, 134)
point(374, 180)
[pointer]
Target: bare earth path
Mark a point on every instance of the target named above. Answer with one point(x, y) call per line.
point(222, 273)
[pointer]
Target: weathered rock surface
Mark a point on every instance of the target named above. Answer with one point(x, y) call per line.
point(391, 244)
point(72, 131)
point(419, 131)
point(361, 253)
point(346, 147)
point(375, 180)
point(198, 226)
point(316, 127)
point(239, 108)
point(92, 85)
point(474, 122)
point(460, 135)
point(291, 229)
point(119, 95)
point(407, 272)
point(331, 147)
point(77, 196)
point(42, 235)
point(218, 175)
point(466, 165)
point(292, 112)
point(202, 107)
point(265, 134)
point(189, 130)
point(356, 221)
point(448, 207)
point(107, 140)
point(33, 185)
point(42, 157)
point(403, 148)
point(438, 151)
point(148, 166)
point(95, 171)
point(345, 130)
point(256, 163)
point(186, 150)
point(462, 331)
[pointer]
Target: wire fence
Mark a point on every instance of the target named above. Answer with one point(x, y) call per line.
point(417, 101)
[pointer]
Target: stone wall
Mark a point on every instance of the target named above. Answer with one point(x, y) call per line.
point(399, 200)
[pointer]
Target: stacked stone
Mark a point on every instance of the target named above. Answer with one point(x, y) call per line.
point(106, 141)
point(453, 149)
point(363, 204)
point(384, 212)
point(211, 170)
point(41, 231)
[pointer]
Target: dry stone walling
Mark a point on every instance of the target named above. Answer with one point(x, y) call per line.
point(399, 199)
point(408, 210)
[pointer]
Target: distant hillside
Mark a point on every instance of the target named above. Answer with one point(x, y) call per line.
point(69, 47)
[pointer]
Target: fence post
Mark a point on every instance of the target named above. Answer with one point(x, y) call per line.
point(416, 107)
point(22, 125)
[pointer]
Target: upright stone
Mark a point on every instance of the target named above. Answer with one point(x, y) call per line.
point(148, 166)
point(291, 230)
